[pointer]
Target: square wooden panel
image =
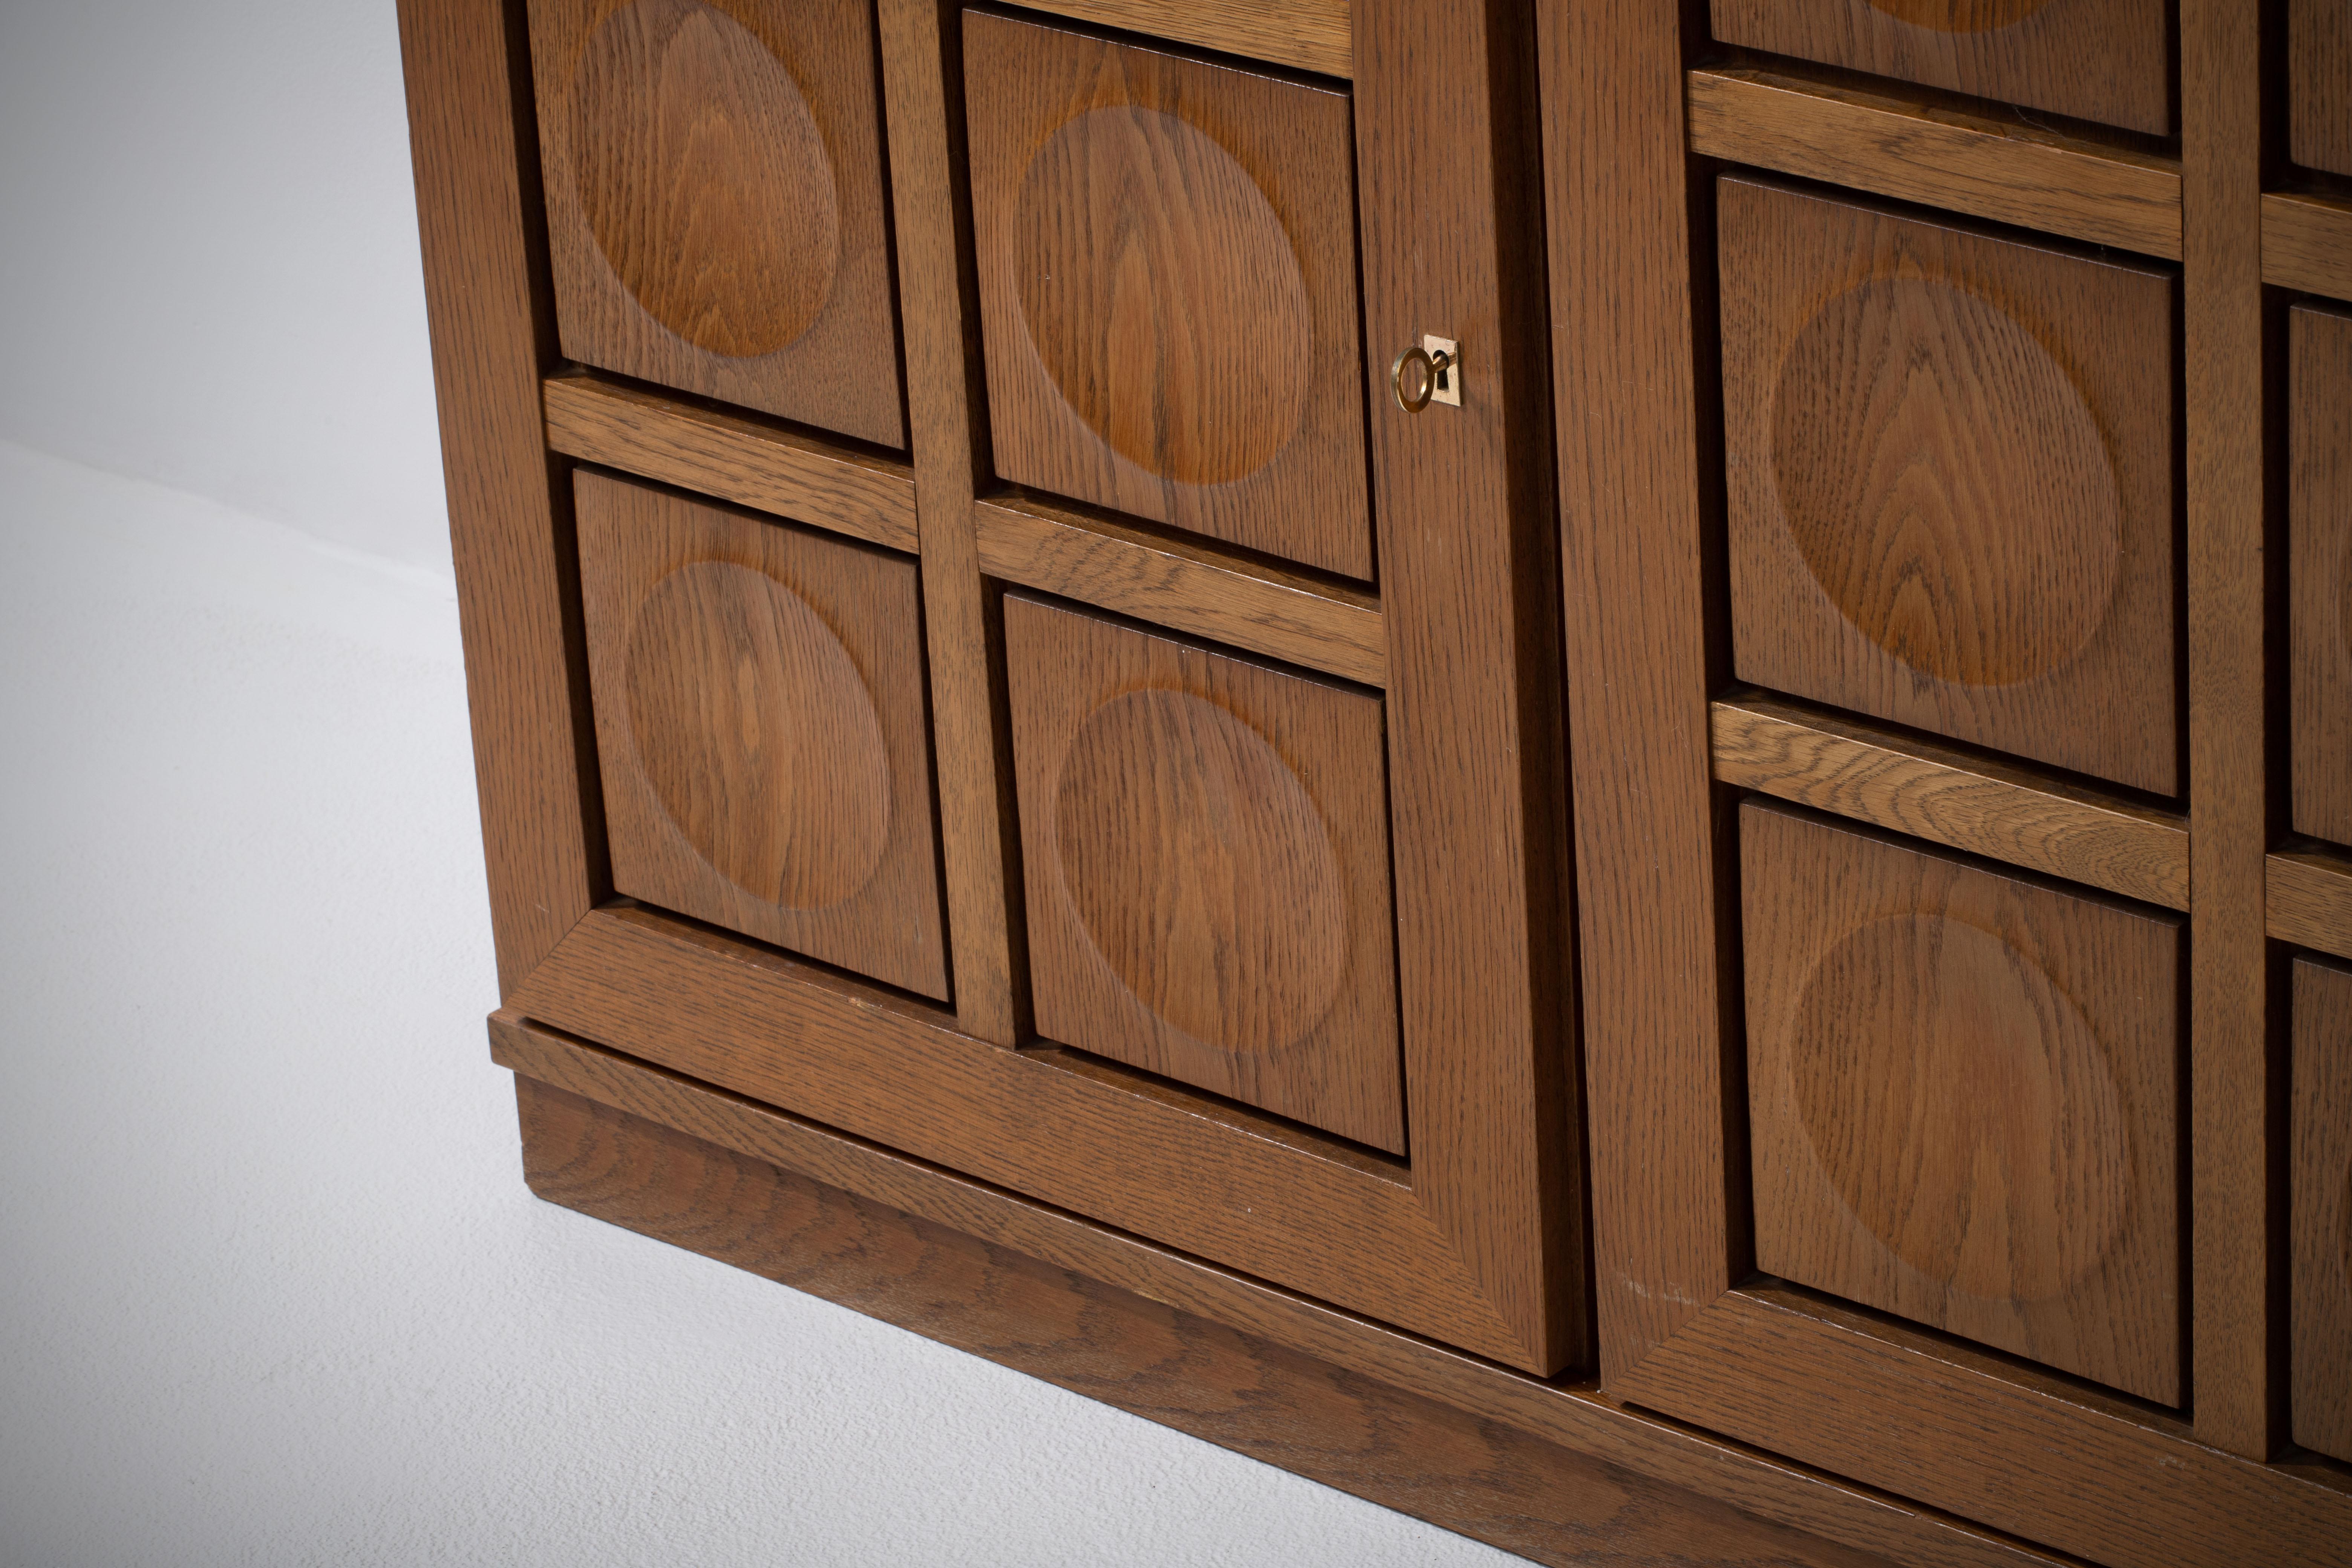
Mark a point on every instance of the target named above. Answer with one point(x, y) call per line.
point(1950, 462)
point(2319, 570)
point(1962, 1087)
point(2319, 69)
point(758, 698)
point(2321, 1155)
point(2095, 59)
point(715, 203)
point(1167, 289)
point(1206, 845)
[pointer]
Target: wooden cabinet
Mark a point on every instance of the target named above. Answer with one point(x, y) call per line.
point(1723, 940)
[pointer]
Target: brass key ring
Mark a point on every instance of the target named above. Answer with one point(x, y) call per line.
point(1432, 367)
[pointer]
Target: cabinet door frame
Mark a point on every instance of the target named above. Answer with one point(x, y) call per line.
point(1687, 1326)
point(1476, 1241)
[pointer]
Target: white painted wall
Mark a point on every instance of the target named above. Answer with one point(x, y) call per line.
point(208, 263)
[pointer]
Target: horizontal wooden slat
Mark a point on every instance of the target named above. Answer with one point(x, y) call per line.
point(1202, 1176)
point(1899, 147)
point(1185, 588)
point(1935, 793)
point(2307, 898)
point(1310, 35)
point(1572, 1416)
point(2307, 243)
point(736, 459)
point(1898, 1410)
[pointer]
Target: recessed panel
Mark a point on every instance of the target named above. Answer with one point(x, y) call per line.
point(2321, 1155)
point(759, 703)
point(1950, 470)
point(2319, 570)
point(714, 202)
point(1168, 288)
point(1962, 1087)
point(1206, 845)
point(2320, 70)
point(2094, 60)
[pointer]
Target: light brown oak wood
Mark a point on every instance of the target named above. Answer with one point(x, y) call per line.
point(1181, 1170)
point(2025, 1455)
point(1547, 1503)
point(1310, 35)
point(1206, 845)
point(731, 458)
point(922, 72)
point(759, 719)
point(1951, 797)
point(2308, 898)
point(1284, 615)
point(534, 765)
point(1168, 281)
point(1961, 1098)
point(2319, 91)
point(714, 202)
point(2321, 1235)
point(2094, 60)
point(2231, 542)
point(2319, 569)
point(1570, 1415)
point(1988, 167)
point(1950, 471)
point(2307, 243)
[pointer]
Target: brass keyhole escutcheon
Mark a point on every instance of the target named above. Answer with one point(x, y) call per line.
point(1429, 372)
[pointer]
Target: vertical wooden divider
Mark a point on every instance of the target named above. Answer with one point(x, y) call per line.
point(1632, 533)
point(923, 101)
point(517, 573)
point(2231, 1095)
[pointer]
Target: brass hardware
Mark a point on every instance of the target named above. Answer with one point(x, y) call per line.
point(1434, 366)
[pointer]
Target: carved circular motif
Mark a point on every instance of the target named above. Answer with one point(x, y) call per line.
point(1946, 483)
point(704, 178)
point(757, 732)
point(1963, 1108)
point(1201, 870)
point(1960, 16)
point(1164, 294)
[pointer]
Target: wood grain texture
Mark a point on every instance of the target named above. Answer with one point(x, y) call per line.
point(1168, 283)
point(2319, 569)
point(2308, 899)
point(2319, 91)
point(1477, 786)
point(1632, 535)
point(1951, 480)
point(1984, 806)
point(1478, 1476)
point(1905, 1412)
point(2307, 243)
point(2233, 1220)
point(2094, 60)
point(1961, 1098)
point(1310, 35)
point(1264, 609)
point(736, 459)
point(1212, 1180)
point(533, 767)
point(922, 73)
point(715, 203)
point(1572, 1416)
point(1985, 166)
point(1207, 850)
point(2322, 1226)
point(759, 721)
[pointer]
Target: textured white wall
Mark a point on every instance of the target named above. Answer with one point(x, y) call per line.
point(208, 248)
